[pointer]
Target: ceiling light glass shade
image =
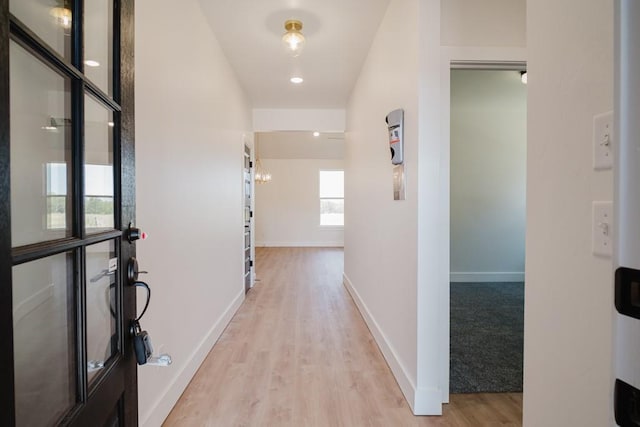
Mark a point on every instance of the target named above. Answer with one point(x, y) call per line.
point(63, 16)
point(293, 38)
point(261, 175)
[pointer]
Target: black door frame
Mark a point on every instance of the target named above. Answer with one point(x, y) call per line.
point(121, 380)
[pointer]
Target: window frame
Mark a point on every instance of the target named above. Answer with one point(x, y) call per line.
point(320, 199)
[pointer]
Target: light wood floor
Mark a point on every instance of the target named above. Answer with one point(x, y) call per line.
point(298, 353)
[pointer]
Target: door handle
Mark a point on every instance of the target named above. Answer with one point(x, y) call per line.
point(133, 271)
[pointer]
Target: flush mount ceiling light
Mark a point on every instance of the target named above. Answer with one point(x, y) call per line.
point(293, 38)
point(296, 80)
point(91, 63)
point(523, 77)
point(316, 134)
point(63, 14)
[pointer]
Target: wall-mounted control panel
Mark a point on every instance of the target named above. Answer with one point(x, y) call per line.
point(395, 124)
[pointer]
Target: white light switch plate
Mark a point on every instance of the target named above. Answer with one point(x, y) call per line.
point(603, 141)
point(602, 228)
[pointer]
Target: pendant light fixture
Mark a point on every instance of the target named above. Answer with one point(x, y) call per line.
point(293, 38)
point(261, 175)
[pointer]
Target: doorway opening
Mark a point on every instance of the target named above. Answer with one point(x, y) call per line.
point(488, 222)
point(302, 204)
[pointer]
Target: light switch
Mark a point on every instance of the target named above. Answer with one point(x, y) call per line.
point(602, 228)
point(603, 141)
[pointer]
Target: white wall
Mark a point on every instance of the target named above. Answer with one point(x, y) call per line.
point(483, 23)
point(191, 119)
point(300, 145)
point(488, 175)
point(380, 233)
point(281, 119)
point(288, 207)
point(568, 311)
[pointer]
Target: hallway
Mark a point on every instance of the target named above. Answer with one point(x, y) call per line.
point(298, 353)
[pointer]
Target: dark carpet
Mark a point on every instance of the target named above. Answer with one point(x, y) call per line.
point(487, 335)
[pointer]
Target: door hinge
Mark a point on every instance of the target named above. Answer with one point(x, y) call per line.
point(250, 214)
point(250, 263)
point(250, 164)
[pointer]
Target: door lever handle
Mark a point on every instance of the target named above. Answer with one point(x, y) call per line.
point(132, 271)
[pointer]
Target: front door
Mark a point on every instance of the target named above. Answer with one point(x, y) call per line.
point(66, 197)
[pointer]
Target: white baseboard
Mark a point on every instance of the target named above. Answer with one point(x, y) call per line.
point(428, 401)
point(301, 244)
point(421, 401)
point(483, 277)
point(159, 411)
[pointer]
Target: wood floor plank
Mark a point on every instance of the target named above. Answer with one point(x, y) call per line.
point(298, 353)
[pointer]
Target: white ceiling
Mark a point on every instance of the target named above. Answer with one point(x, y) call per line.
point(300, 145)
point(338, 32)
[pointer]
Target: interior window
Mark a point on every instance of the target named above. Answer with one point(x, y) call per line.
point(332, 198)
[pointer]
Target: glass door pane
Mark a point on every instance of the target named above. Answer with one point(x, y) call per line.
point(43, 328)
point(98, 43)
point(102, 308)
point(50, 19)
point(65, 345)
point(40, 151)
point(98, 188)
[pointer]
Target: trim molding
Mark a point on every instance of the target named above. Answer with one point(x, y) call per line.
point(428, 401)
point(301, 244)
point(160, 410)
point(422, 401)
point(483, 277)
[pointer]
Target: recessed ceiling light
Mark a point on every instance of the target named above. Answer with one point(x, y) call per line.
point(91, 63)
point(296, 80)
point(316, 134)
